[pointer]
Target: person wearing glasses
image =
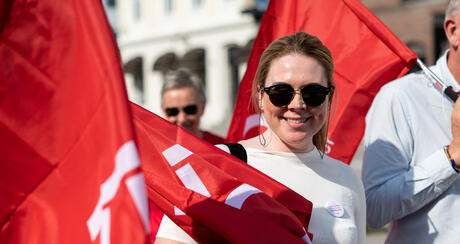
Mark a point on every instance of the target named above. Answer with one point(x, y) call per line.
point(183, 101)
point(411, 158)
point(293, 89)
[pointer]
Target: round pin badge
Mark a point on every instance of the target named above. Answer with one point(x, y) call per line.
point(335, 208)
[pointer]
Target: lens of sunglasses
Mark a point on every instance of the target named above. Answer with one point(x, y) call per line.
point(314, 94)
point(171, 111)
point(190, 110)
point(281, 95)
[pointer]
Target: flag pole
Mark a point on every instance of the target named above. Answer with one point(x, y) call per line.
point(448, 90)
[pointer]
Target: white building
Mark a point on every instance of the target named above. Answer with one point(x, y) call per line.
point(111, 12)
point(210, 37)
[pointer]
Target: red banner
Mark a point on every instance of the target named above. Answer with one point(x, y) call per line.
point(366, 55)
point(212, 195)
point(69, 169)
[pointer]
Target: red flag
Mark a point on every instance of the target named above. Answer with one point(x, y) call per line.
point(366, 55)
point(69, 169)
point(212, 195)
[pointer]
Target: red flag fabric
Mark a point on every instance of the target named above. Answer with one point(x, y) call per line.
point(212, 195)
point(366, 56)
point(156, 215)
point(69, 169)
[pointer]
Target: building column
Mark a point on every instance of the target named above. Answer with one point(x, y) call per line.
point(155, 82)
point(133, 93)
point(218, 89)
point(152, 85)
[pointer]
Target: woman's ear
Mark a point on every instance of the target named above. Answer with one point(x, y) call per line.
point(259, 98)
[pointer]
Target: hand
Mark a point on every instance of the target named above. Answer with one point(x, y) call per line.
point(454, 147)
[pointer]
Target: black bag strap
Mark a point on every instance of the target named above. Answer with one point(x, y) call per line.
point(238, 151)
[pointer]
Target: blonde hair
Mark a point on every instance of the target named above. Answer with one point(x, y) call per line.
point(298, 43)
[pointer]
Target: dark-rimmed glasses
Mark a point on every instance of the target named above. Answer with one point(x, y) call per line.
point(189, 109)
point(282, 94)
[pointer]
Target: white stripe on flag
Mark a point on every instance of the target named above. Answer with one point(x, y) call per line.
point(136, 187)
point(177, 211)
point(191, 180)
point(237, 197)
point(175, 154)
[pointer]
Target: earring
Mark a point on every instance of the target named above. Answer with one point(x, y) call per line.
point(261, 105)
point(261, 136)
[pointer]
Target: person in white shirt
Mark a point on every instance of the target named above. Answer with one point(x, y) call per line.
point(293, 88)
point(412, 152)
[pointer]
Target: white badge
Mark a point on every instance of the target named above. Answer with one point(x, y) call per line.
point(335, 208)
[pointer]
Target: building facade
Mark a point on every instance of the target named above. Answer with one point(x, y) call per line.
point(213, 39)
point(418, 23)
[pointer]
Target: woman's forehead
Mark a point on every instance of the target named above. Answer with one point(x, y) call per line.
point(296, 69)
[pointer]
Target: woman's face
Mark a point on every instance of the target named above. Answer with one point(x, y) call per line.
point(294, 125)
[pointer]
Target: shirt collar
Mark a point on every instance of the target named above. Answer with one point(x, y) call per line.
point(444, 72)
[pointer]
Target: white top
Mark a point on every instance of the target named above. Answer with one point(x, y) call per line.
point(325, 182)
point(408, 179)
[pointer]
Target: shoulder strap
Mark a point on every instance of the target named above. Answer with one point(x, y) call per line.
point(238, 151)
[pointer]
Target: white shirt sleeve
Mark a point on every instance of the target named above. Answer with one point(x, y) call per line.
point(360, 211)
point(169, 230)
point(395, 184)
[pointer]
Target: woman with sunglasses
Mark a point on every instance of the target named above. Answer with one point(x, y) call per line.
point(293, 89)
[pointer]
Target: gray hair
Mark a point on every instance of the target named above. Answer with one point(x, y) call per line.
point(454, 6)
point(183, 78)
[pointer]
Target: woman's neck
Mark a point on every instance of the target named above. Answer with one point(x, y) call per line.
point(270, 142)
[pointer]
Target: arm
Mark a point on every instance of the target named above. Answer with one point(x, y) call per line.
point(358, 203)
point(454, 147)
point(360, 212)
point(396, 185)
point(166, 241)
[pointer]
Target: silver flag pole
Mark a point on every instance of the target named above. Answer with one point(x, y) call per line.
point(430, 73)
point(448, 90)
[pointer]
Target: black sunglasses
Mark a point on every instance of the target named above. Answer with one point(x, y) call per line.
point(282, 94)
point(190, 110)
